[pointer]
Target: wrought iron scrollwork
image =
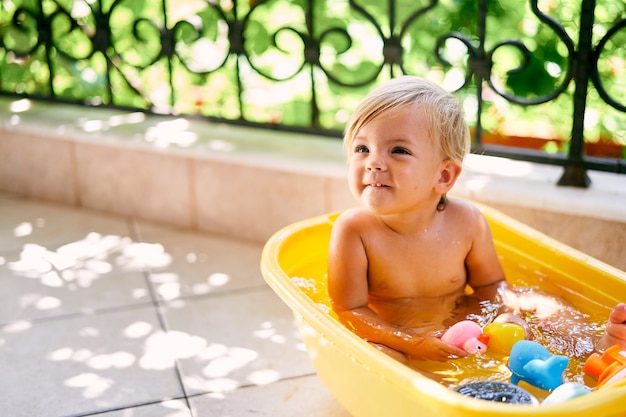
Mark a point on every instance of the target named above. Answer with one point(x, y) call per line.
point(595, 74)
point(133, 53)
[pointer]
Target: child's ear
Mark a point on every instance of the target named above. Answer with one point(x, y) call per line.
point(450, 171)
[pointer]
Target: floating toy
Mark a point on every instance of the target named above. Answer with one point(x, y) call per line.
point(565, 392)
point(502, 336)
point(534, 364)
point(466, 335)
point(608, 367)
point(495, 391)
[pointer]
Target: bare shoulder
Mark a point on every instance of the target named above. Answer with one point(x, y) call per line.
point(469, 218)
point(357, 217)
point(465, 211)
point(482, 262)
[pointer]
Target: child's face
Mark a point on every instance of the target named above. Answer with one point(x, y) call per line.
point(394, 164)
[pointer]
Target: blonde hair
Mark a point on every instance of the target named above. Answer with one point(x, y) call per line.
point(444, 115)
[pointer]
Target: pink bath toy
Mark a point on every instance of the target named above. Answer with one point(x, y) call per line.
point(466, 335)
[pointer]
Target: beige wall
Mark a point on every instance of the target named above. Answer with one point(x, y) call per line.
point(264, 183)
point(602, 239)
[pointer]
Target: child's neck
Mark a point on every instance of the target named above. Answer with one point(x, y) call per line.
point(409, 223)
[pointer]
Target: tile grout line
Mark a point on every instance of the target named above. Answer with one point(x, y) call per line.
point(253, 385)
point(135, 234)
point(78, 314)
point(130, 406)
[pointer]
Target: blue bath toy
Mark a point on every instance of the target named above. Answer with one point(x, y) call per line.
point(566, 392)
point(534, 364)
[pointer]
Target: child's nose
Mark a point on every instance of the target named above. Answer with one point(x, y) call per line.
point(375, 163)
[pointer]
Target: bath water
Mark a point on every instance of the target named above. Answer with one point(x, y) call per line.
point(491, 365)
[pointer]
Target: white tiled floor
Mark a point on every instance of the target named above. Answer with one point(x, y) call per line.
point(116, 317)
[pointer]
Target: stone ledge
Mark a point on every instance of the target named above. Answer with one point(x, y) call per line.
point(250, 182)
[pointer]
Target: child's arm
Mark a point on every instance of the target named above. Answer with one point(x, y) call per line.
point(482, 262)
point(486, 277)
point(348, 290)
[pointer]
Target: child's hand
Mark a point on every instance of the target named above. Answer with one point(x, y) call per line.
point(430, 347)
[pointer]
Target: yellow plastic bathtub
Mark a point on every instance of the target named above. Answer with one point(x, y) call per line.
point(368, 383)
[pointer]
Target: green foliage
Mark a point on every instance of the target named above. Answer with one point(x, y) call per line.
point(279, 56)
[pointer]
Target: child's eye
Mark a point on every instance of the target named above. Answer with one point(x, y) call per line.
point(401, 151)
point(361, 149)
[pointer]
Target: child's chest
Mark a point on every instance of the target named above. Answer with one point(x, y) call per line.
point(416, 269)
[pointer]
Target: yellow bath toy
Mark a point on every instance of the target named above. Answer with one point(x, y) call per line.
point(502, 336)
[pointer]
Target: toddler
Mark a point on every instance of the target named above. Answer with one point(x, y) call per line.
point(400, 263)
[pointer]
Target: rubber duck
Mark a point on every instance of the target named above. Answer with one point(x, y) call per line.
point(534, 364)
point(466, 335)
point(607, 367)
point(502, 336)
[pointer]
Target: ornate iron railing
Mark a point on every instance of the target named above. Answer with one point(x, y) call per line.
point(302, 65)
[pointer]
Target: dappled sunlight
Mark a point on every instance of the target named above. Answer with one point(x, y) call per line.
point(214, 280)
point(32, 262)
point(167, 284)
point(47, 303)
point(167, 133)
point(264, 376)
point(139, 256)
point(100, 361)
point(80, 262)
point(221, 145)
point(75, 266)
point(23, 229)
point(92, 245)
point(218, 279)
point(88, 125)
point(175, 132)
point(20, 106)
point(18, 326)
point(218, 385)
point(92, 385)
point(162, 348)
point(95, 362)
point(227, 359)
point(170, 287)
point(171, 132)
point(269, 332)
point(138, 330)
point(221, 367)
point(93, 329)
point(96, 125)
point(117, 360)
point(179, 408)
